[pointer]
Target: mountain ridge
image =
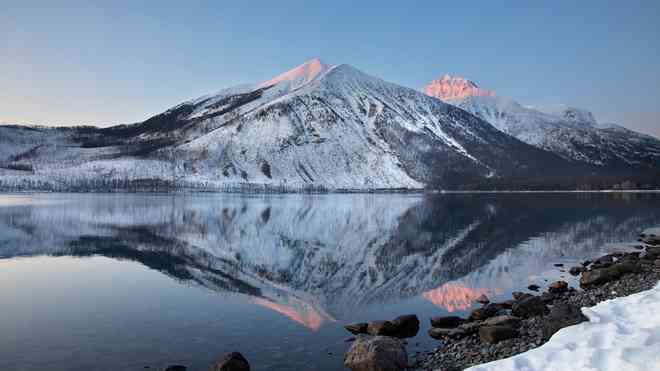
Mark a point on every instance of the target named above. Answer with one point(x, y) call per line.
point(313, 127)
point(570, 132)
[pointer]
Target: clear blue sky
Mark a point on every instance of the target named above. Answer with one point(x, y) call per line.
point(121, 62)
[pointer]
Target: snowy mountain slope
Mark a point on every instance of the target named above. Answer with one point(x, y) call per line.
point(316, 125)
point(570, 132)
point(569, 114)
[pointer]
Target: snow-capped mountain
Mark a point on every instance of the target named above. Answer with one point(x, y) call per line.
point(570, 132)
point(316, 125)
point(455, 87)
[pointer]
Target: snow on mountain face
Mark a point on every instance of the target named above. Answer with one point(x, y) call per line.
point(313, 126)
point(574, 115)
point(453, 87)
point(570, 132)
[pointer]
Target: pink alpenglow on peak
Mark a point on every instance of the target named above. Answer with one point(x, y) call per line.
point(301, 75)
point(455, 87)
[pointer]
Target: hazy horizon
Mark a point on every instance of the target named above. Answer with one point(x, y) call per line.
point(121, 63)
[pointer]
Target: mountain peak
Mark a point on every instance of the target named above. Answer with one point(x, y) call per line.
point(450, 87)
point(300, 75)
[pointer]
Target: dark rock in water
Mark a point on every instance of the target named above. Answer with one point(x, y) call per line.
point(376, 353)
point(349, 340)
point(508, 321)
point(446, 333)
point(357, 328)
point(495, 334)
point(586, 263)
point(517, 295)
point(231, 362)
point(529, 307)
point(402, 327)
point(558, 287)
point(446, 321)
point(381, 328)
point(406, 326)
point(603, 275)
point(558, 265)
point(533, 287)
point(176, 368)
point(487, 311)
point(483, 299)
point(561, 315)
point(575, 271)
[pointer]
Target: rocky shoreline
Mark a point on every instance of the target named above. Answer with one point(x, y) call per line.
point(502, 330)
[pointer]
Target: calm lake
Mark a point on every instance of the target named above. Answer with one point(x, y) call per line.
point(128, 281)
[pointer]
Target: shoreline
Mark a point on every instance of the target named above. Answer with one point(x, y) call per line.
point(640, 272)
point(326, 192)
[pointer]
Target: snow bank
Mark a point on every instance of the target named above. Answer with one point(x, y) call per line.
point(623, 334)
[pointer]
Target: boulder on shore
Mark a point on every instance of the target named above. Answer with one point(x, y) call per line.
point(487, 311)
point(506, 320)
point(600, 276)
point(446, 333)
point(376, 353)
point(653, 252)
point(406, 326)
point(470, 327)
point(529, 307)
point(558, 287)
point(381, 328)
point(495, 334)
point(446, 321)
point(560, 316)
point(357, 328)
point(231, 362)
point(517, 295)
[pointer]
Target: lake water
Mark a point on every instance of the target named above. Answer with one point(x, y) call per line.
point(126, 281)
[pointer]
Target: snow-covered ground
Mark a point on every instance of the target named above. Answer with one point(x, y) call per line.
point(622, 334)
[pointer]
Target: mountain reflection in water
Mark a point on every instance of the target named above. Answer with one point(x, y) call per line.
point(318, 259)
point(453, 296)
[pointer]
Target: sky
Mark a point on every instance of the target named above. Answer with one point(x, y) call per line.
point(73, 63)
